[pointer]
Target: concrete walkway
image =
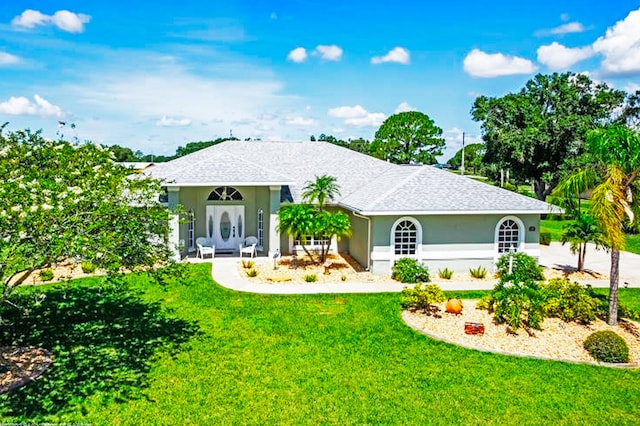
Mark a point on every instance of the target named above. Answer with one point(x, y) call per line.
point(225, 272)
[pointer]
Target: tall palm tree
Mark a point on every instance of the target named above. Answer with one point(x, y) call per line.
point(323, 189)
point(614, 177)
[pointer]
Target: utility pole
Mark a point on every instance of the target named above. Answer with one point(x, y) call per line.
point(462, 168)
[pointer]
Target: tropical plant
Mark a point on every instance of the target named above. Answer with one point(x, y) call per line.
point(445, 273)
point(480, 272)
point(408, 270)
point(311, 278)
point(88, 267)
point(612, 171)
point(324, 188)
point(62, 201)
point(408, 138)
point(420, 297)
point(578, 233)
point(569, 301)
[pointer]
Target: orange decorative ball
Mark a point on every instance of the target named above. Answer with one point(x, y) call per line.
point(454, 306)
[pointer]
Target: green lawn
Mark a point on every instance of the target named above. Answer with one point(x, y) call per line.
point(555, 228)
point(199, 354)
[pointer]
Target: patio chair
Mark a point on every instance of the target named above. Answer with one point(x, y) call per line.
point(248, 246)
point(205, 246)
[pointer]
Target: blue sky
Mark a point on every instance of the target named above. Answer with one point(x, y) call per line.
point(156, 75)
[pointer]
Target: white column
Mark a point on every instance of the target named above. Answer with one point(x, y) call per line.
point(274, 205)
point(174, 224)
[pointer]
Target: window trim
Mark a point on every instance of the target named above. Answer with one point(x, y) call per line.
point(521, 230)
point(392, 238)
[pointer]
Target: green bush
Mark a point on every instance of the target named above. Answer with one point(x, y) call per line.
point(46, 274)
point(545, 238)
point(445, 273)
point(248, 264)
point(518, 297)
point(420, 297)
point(343, 278)
point(88, 267)
point(407, 270)
point(252, 272)
point(485, 303)
point(569, 301)
point(311, 278)
point(479, 272)
point(607, 346)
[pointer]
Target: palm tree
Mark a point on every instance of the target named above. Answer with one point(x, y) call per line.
point(614, 176)
point(323, 189)
point(298, 220)
point(578, 233)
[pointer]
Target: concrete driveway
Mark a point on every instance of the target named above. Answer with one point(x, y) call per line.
point(558, 256)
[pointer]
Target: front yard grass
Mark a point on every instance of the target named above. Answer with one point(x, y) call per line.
point(201, 354)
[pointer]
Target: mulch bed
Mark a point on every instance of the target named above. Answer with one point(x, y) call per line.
point(25, 364)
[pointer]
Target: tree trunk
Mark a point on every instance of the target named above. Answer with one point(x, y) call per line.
point(540, 188)
point(613, 287)
point(581, 252)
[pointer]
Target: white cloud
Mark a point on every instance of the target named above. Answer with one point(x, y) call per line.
point(558, 57)
point(19, 105)
point(62, 19)
point(398, 54)
point(404, 107)
point(481, 64)
point(570, 27)
point(173, 122)
point(620, 46)
point(632, 87)
point(357, 116)
point(297, 55)
point(329, 53)
point(8, 59)
point(300, 121)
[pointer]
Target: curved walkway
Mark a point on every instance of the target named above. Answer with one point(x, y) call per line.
point(225, 272)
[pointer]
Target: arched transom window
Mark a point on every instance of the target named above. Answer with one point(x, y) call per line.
point(225, 193)
point(405, 238)
point(508, 236)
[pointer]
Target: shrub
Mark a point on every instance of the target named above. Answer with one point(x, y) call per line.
point(569, 301)
point(479, 272)
point(485, 303)
point(46, 274)
point(545, 238)
point(445, 273)
point(518, 297)
point(343, 278)
point(88, 267)
point(252, 272)
point(248, 264)
point(407, 270)
point(607, 346)
point(420, 297)
point(311, 278)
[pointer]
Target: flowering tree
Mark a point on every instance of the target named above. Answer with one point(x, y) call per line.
point(62, 202)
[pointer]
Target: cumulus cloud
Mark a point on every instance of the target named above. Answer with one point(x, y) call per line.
point(404, 107)
point(329, 53)
point(486, 65)
point(558, 57)
point(8, 59)
point(297, 55)
point(570, 27)
point(300, 121)
point(357, 116)
point(398, 55)
point(173, 122)
point(620, 46)
point(62, 19)
point(19, 105)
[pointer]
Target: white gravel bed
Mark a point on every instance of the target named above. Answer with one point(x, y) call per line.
point(557, 340)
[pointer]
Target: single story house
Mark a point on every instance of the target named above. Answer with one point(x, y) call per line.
point(234, 189)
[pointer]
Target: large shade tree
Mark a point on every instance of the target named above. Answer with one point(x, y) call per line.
point(614, 177)
point(408, 138)
point(308, 219)
point(65, 202)
point(536, 132)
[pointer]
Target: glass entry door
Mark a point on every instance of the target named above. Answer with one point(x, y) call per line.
point(225, 224)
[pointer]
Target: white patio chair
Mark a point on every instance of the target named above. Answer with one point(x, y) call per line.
point(205, 246)
point(249, 246)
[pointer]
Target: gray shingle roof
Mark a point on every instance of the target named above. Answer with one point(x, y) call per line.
point(367, 184)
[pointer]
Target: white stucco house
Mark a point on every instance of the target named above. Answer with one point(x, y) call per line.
point(234, 189)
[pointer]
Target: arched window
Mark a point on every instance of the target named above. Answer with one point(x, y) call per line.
point(508, 235)
point(225, 193)
point(405, 237)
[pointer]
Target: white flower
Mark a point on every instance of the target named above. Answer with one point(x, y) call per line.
point(4, 151)
point(22, 235)
point(34, 208)
point(46, 206)
point(16, 208)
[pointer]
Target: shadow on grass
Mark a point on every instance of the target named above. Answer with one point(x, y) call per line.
point(103, 343)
